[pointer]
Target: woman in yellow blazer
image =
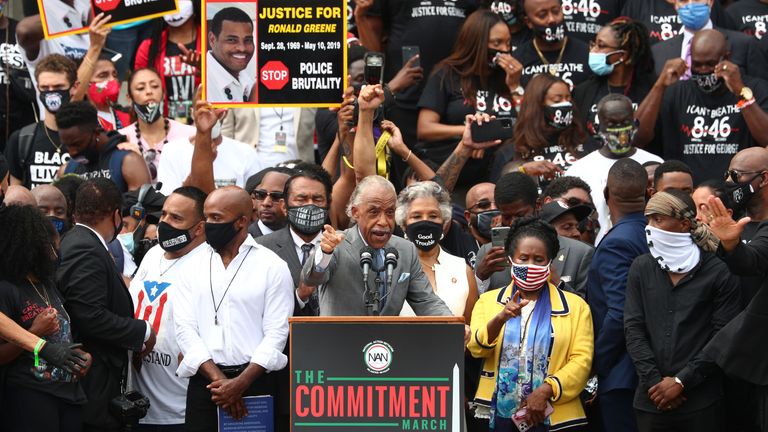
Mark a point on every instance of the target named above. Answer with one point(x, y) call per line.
point(536, 341)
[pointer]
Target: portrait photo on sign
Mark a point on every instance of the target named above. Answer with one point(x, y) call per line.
point(60, 18)
point(230, 63)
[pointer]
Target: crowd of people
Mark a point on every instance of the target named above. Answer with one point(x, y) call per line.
point(584, 182)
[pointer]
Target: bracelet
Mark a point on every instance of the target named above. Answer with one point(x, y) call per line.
point(744, 103)
point(39, 345)
point(346, 162)
point(521, 168)
point(410, 152)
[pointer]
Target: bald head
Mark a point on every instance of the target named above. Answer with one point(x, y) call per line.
point(50, 201)
point(231, 201)
point(750, 159)
point(19, 195)
point(479, 192)
point(708, 48)
point(615, 110)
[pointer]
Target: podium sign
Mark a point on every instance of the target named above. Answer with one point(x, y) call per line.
point(377, 374)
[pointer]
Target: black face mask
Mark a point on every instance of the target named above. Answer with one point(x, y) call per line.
point(173, 239)
point(485, 222)
point(58, 223)
point(492, 53)
point(219, 235)
point(52, 100)
point(708, 83)
point(149, 113)
point(741, 194)
point(559, 116)
point(424, 234)
point(142, 247)
point(553, 33)
point(307, 219)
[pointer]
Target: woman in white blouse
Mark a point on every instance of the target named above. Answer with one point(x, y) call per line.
point(424, 214)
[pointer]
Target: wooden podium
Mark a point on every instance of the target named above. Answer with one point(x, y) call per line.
point(377, 373)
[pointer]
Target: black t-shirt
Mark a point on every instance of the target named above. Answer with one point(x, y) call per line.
point(17, 108)
point(661, 17)
point(587, 94)
point(326, 128)
point(443, 95)
point(179, 82)
point(560, 155)
point(750, 17)
point(573, 67)
point(520, 38)
point(584, 18)
point(705, 131)
point(42, 161)
point(432, 25)
point(22, 304)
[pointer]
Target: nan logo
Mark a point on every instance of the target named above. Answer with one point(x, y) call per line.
point(377, 356)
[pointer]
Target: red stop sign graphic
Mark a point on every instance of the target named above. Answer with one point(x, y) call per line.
point(274, 75)
point(106, 5)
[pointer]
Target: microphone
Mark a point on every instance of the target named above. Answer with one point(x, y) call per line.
point(366, 260)
point(390, 260)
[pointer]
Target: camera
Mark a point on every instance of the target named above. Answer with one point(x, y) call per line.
point(129, 408)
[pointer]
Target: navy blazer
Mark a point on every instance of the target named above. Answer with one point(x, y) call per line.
point(606, 286)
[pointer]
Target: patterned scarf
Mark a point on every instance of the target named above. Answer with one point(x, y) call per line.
point(515, 382)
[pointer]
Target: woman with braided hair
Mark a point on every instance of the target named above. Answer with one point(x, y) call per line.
point(678, 297)
point(620, 56)
point(536, 341)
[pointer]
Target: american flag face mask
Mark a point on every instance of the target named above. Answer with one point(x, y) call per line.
point(530, 277)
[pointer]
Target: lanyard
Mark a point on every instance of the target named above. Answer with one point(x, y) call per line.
point(210, 281)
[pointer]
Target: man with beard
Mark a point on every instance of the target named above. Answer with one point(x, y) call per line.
point(267, 197)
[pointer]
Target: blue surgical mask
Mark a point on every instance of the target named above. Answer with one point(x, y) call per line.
point(127, 240)
point(694, 16)
point(598, 62)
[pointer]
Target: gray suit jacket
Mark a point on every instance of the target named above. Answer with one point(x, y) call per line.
point(281, 243)
point(571, 263)
point(342, 292)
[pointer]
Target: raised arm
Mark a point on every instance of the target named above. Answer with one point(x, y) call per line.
point(648, 111)
point(98, 33)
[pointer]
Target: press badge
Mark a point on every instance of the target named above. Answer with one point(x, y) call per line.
point(280, 139)
point(217, 338)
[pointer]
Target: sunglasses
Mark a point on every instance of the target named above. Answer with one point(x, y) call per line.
point(261, 195)
point(735, 174)
point(481, 206)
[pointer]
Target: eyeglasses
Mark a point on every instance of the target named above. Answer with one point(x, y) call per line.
point(593, 44)
point(735, 174)
point(481, 206)
point(261, 195)
point(149, 157)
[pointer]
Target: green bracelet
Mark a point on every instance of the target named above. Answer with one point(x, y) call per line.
point(39, 345)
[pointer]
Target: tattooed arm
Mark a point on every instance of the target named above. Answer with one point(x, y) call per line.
point(450, 169)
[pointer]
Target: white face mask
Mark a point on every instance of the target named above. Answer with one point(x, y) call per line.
point(675, 252)
point(185, 13)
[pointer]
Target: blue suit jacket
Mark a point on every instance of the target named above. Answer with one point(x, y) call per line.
point(606, 285)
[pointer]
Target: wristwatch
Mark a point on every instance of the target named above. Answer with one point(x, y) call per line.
point(746, 93)
point(677, 380)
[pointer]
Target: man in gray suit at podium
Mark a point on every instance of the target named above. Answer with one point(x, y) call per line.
point(336, 264)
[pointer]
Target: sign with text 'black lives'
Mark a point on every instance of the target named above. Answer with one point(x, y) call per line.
point(376, 375)
point(61, 19)
point(296, 54)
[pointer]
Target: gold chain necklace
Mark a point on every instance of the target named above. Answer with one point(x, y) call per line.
point(45, 298)
point(553, 66)
point(58, 147)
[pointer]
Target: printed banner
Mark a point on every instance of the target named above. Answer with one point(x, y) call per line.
point(274, 53)
point(61, 19)
point(377, 376)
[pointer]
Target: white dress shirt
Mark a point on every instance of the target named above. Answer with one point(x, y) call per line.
point(263, 228)
point(62, 17)
point(252, 316)
point(222, 87)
